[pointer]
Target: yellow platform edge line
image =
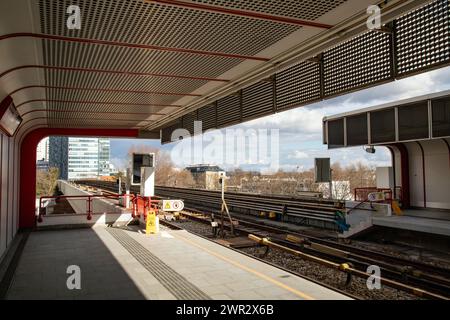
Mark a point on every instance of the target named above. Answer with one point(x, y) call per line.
point(248, 269)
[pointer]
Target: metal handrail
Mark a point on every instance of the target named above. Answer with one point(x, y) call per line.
point(138, 202)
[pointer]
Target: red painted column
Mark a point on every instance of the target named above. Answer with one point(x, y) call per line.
point(404, 160)
point(27, 196)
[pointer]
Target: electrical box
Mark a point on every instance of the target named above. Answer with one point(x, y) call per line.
point(138, 161)
point(322, 172)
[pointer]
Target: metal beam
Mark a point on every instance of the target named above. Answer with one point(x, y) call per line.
point(98, 102)
point(95, 119)
point(130, 45)
point(128, 73)
point(242, 13)
point(106, 90)
point(94, 112)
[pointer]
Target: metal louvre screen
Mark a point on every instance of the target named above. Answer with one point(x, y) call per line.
point(336, 133)
point(356, 63)
point(297, 85)
point(357, 130)
point(419, 41)
point(188, 121)
point(208, 116)
point(166, 133)
point(413, 121)
point(423, 37)
point(257, 100)
point(228, 110)
point(441, 117)
point(382, 126)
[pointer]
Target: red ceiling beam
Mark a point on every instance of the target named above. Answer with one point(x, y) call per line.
point(99, 102)
point(96, 119)
point(129, 45)
point(242, 13)
point(94, 112)
point(107, 90)
point(128, 73)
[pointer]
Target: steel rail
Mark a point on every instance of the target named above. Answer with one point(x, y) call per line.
point(438, 285)
point(344, 267)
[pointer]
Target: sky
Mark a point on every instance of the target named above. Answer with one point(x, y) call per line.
point(300, 129)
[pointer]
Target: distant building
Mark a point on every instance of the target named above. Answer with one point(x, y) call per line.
point(79, 157)
point(88, 158)
point(206, 176)
point(42, 165)
point(43, 150)
point(58, 155)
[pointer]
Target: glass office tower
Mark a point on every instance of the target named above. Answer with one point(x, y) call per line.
point(88, 158)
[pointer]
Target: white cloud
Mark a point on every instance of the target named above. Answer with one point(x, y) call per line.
point(297, 154)
point(301, 128)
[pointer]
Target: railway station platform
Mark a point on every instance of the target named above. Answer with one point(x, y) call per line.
point(125, 263)
point(428, 221)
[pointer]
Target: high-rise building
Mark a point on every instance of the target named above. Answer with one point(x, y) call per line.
point(58, 155)
point(79, 157)
point(103, 157)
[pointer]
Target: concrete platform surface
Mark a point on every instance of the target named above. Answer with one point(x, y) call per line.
point(127, 264)
point(407, 222)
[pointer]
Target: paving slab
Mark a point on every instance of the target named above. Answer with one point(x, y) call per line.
point(127, 264)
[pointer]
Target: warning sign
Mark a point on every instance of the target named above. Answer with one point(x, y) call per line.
point(172, 205)
point(150, 226)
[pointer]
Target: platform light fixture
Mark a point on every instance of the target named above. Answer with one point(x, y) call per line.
point(9, 117)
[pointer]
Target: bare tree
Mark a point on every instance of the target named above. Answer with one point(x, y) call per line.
point(46, 182)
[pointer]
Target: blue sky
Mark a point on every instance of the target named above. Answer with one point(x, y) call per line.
point(300, 129)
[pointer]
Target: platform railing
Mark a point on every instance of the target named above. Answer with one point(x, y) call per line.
point(140, 205)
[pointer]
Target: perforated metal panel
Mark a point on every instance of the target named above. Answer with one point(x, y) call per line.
point(358, 62)
point(305, 9)
point(208, 116)
point(82, 107)
point(166, 132)
point(137, 21)
point(423, 37)
point(357, 130)
point(413, 121)
point(229, 110)
point(110, 96)
point(297, 85)
point(382, 126)
point(336, 133)
point(65, 78)
point(188, 121)
point(258, 100)
point(97, 56)
point(441, 117)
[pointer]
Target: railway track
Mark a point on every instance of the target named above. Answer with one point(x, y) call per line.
point(409, 272)
point(303, 211)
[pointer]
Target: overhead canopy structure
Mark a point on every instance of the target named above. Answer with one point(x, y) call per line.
point(162, 64)
point(417, 132)
point(419, 118)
